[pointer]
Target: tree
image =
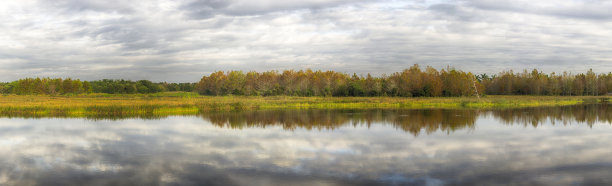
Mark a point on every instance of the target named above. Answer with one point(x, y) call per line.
point(87, 87)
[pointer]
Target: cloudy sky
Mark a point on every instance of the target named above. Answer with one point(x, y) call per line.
point(176, 41)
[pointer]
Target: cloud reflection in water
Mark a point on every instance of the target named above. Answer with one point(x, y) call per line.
point(419, 147)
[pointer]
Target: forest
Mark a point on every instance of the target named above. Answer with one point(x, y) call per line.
point(58, 86)
point(411, 82)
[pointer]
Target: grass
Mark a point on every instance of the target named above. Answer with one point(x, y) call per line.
point(182, 103)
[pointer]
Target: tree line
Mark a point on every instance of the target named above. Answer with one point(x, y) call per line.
point(412, 82)
point(539, 83)
point(141, 86)
point(59, 86)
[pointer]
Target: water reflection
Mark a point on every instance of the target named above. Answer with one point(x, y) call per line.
point(416, 122)
point(588, 114)
point(351, 147)
point(411, 121)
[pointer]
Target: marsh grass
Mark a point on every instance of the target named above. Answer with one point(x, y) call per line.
point(182, 103)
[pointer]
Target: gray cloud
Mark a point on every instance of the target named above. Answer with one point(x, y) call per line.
point(204, 9)
point(187, 39)
point(580, 9)
point(72, 6)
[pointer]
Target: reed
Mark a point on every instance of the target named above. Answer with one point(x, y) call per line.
point(182, 103)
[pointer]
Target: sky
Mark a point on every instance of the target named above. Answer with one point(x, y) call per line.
point(182, 40)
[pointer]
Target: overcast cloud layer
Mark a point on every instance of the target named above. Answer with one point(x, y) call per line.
point(168, 40)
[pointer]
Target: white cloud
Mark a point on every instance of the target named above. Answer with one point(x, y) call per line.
point(186, 40)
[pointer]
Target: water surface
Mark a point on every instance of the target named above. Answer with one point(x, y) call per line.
point(536, 146)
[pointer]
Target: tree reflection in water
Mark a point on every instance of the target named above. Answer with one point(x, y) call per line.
point(191, 151)
point(589, 114)
point(411, 121)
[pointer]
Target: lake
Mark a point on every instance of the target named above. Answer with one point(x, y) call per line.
point(532, 146)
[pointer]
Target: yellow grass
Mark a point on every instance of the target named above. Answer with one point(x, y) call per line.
point(175, 103)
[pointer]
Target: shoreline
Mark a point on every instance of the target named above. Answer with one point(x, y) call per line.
point(183, 103)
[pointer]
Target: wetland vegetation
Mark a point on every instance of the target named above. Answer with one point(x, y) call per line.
point(181, 103)
point(412, 82)
point(412, 88)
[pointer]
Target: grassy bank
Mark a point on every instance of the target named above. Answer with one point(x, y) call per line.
point(175, 103)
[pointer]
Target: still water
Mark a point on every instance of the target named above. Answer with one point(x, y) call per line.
point(534, 146)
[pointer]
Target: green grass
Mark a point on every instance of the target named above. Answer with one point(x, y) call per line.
point(183, 103)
